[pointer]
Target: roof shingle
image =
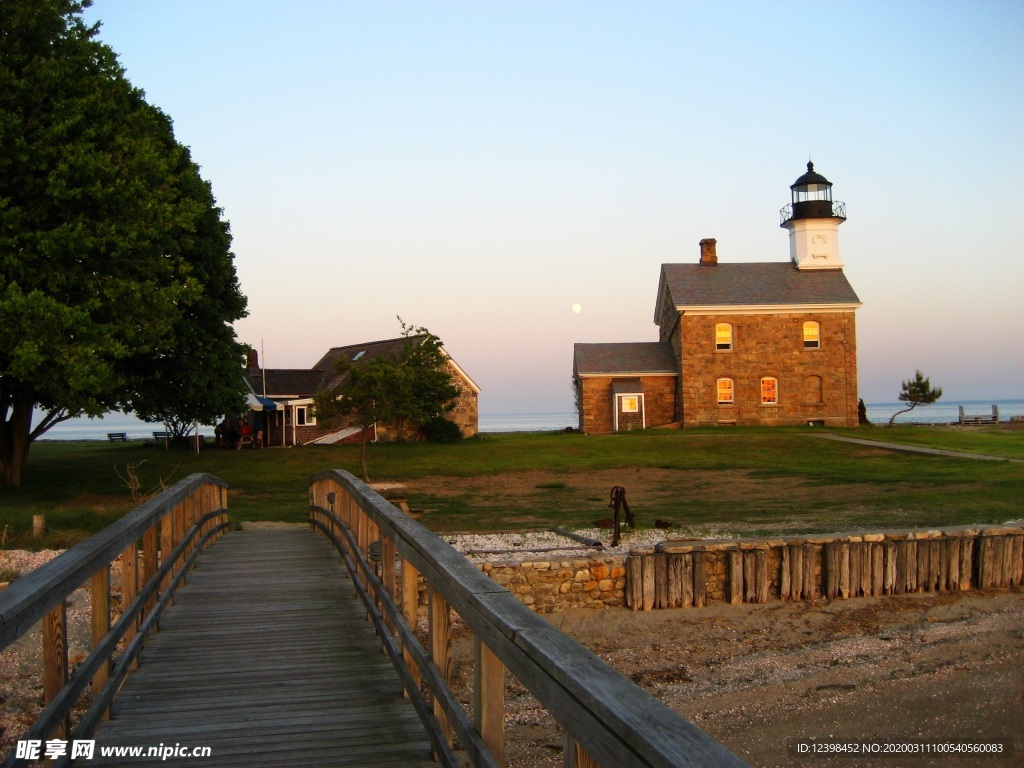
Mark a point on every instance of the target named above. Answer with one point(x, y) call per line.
point(754, 284)
point(624, 358)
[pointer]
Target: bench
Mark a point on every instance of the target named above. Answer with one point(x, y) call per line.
point(161, 435)
point(977, 420)
point(115, 436)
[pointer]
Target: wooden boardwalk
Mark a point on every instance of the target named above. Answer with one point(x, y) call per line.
point(267, 658)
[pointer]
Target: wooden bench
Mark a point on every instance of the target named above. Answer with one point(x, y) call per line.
point(976, 420)
point(115, 436)
point(161, 435)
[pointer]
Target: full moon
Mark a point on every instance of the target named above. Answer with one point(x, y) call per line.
point(576, 308)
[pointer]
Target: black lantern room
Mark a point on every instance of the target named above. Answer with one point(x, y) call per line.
point(812, 199)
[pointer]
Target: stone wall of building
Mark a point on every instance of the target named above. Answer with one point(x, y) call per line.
point(597, 403)
point(466, 412)
point(814, 385)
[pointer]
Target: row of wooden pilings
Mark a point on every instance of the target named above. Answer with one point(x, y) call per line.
point(841, 565)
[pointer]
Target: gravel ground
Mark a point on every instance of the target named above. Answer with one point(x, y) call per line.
point(21, 687)
point(540, 545)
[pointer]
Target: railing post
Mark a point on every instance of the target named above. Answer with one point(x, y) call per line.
point(441, 651)
point(410, 609)
point(55, 660)
point(489, 699)
point(575, 756)
point(149, 564)
point(99, 586)
point(129, 583)
point(387, 554)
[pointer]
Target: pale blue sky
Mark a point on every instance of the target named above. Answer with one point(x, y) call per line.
point(479, 167)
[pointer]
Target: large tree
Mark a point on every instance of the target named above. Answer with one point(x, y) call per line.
point(413, 386)
point(111, 249)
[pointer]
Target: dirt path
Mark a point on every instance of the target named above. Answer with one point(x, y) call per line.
point(754, 677)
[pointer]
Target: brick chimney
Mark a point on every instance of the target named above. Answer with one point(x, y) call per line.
point(253, 359)
point(708, 256)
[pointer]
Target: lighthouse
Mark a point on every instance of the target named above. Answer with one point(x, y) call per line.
point(813, 220)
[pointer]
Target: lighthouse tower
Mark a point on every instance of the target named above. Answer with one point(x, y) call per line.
point(813, 222)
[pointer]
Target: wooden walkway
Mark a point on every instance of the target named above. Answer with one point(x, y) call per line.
point(267, 658)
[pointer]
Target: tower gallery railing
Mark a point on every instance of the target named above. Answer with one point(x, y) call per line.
point(608, 720)
point(172, 529)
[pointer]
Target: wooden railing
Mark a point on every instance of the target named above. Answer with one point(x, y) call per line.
point(173, 528)
point(608, 720)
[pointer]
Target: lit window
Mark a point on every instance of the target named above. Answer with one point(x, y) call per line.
point(725, 392)
point(769, 391)
point(723, 336)
point(630, 404)
point(812, 335)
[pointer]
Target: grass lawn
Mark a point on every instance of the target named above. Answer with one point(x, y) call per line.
point(748, 481)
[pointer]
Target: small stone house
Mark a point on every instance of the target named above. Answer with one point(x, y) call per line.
point(764, 343)
point(281, 400)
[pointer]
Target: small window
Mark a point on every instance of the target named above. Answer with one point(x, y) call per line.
point(812, 335)
point(358, 355)
point(769, 391)
point(725, 392)
point(630, 404)
point(723, 336)
point(303, 416)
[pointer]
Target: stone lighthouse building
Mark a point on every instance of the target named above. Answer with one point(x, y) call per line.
point(743, 343)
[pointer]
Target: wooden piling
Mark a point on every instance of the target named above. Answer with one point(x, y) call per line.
point(735, 577)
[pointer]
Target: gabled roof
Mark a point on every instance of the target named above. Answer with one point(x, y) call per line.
point(762, 284)
point(365, 351)
point(370, 350)
point(284, 382)
point(624, 359)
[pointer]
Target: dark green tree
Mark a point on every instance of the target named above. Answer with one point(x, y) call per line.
point(414, 386)
point(104, 230)
point(197, 379)
point(917, 391)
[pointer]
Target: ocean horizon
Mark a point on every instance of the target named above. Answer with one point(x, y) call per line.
point(878, 413)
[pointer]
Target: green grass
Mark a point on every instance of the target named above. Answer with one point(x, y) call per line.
point(741, 480)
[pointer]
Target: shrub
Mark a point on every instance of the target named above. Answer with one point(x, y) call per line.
point(441, 430)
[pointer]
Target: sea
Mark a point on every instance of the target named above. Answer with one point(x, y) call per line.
point(878, 413)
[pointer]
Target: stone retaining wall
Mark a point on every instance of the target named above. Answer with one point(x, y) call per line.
point(555, 585)
point(839, 565)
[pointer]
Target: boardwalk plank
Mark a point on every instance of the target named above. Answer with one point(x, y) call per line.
point(267, 658)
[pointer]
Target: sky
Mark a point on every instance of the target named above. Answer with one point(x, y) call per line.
point(478, 168)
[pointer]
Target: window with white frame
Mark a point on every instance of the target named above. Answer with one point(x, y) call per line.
point(630, 403)
point(725, 392)
point(304, 416)
point(812, 335)
point(769, 391)
point(723, 336)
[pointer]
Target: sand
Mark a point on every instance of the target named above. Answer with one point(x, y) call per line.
point(754, 677)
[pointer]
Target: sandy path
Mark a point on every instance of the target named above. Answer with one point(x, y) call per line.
point(912, 667)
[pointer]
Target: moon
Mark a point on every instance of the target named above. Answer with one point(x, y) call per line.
point(576, 309)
